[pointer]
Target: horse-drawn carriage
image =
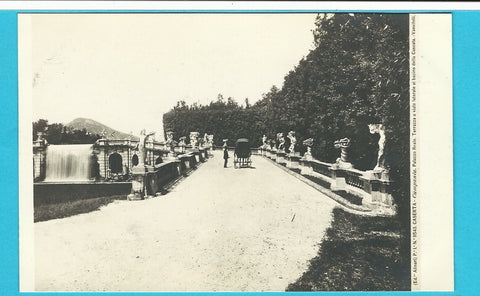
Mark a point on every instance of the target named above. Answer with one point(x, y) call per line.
point(242, 154)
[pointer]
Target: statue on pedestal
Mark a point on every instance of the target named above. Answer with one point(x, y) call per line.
point(139, 172)
point(379, 129)
point(308, 143)
point(264, 142)
point(194, 139)
point(273, 145)
point(182, 144)
point(210, 142)
point(293, 141)
point(142, 150)
point(41, 137)
point(171, 143)
point(343, 144)
point(281, 142)
point(205, 140)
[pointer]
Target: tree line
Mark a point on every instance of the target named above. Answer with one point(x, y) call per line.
point(58, 134)
point(357, 74)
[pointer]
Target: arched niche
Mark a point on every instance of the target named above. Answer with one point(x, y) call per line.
point(134, 160)
point(115, 163)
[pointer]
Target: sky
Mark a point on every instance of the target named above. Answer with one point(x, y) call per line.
point(126, 70)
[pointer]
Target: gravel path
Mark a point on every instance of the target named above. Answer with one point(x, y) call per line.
point(218, 230)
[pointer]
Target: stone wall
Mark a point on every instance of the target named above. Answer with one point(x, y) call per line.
point(39, 164)
point(103, 149)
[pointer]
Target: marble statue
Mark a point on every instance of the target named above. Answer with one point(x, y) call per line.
point(293, 141)
point(264, 142)
point(194, 139)
point(182, 143)
point(142, 150)
point(281, 142)
point(205, 139)
point(379, 129)
point(210, 140)
point(171, 143)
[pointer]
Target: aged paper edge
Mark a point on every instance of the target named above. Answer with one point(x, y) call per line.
point(25, 168)
point(431, 125)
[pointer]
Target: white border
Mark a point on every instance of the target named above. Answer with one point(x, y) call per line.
point(25, 168)
point(432, 133)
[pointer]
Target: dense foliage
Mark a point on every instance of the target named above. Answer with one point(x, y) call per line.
point(57, 133)
point(357, 74)
point(224, 118)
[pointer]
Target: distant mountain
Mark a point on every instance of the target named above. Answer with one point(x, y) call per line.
point(96, 127)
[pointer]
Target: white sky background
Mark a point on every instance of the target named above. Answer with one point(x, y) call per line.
point(126, 70)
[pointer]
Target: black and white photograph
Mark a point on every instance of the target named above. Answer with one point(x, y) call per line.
point(222, 152)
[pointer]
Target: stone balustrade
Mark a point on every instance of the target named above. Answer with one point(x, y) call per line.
point(319, 167)
point(370, 186)
point(161, 166)
point(151, 180)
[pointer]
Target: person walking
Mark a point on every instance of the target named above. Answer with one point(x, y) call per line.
point(225, 154)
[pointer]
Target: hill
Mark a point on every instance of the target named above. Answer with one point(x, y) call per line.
point(96, 127)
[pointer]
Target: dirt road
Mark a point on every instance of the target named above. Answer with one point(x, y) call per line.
point(218, 230)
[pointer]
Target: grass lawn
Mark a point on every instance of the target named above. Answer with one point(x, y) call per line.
point(359, 253)
point(70, 208)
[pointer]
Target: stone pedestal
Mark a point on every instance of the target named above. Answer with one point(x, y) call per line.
point(377, 188)
point(185, 162)
point(197, 157)
point(338, 178)
point(202, 155)
point(269, 153)
point(179, 167)
point(305, 167)
point(280, 158)
point(307, 156)
point(195, 153)
point(39, 160)
point(205, 154)
point(143, 179)
point(293, 161)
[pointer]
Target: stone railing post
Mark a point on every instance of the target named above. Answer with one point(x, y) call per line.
point(305, 165)
point(40, 157)
point(210, 143)
point(170, 144)
point(194, 139)
point(338, 169)
point(142, 173)
point(308, 143)
point(182, 144)
point(293, 142)
point(377, 189)
point(343, 145)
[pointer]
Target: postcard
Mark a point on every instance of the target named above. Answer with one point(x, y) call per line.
point(243, 152)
